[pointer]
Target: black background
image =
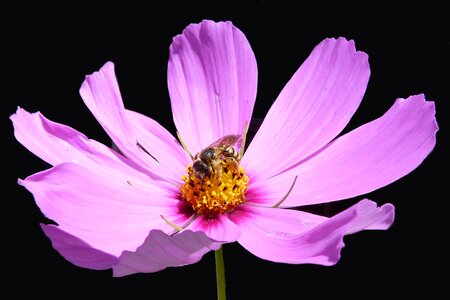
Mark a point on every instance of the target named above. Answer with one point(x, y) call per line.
point(48, 48)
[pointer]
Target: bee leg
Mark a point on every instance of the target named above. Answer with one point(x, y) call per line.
point(233, 164)
point(219, 171)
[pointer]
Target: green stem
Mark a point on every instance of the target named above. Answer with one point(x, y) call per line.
point(220, 275)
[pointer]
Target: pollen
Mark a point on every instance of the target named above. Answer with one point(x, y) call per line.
point(218, 193)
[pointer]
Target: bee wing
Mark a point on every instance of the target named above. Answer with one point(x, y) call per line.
point(226, 141)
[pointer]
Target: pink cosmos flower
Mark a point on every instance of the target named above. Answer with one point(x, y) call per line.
point(144, 208)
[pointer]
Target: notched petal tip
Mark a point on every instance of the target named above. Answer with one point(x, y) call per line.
point(389, 211)
point(107, 70)
point(420, 103)
point(107, 67)
point(108, 64)
point(342, 42)
point(21, 182)
point(195, 29)
point(18, 112)
point(21, 116)
point(373, 217)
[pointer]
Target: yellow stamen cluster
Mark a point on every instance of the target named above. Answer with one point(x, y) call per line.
point(218, 193)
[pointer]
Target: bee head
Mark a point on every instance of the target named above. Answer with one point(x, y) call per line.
point(207, 155)
point(201, 169)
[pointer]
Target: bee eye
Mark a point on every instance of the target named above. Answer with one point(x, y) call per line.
point(201, 170)
point(207, 155)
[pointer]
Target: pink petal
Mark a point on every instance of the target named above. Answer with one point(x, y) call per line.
point(100, 92)
point(159, 142)
point(56, 143)
point(368, 158)
point(77, 251)
point(160, 251)
point(219, 228)
point(276, 221)
point(371, 217)
point(314, 106)
point(103, 207)
point(319, 244)
point(212, 78)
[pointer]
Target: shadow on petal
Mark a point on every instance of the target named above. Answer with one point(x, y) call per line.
point(77, 251)
point(160, 251)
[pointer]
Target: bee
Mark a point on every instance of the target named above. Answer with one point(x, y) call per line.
point(209, 160)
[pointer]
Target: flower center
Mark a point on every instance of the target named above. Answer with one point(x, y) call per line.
point(218, 192)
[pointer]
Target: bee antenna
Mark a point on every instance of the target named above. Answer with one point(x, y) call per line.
point(184, 146)
point(287, 194)
point(244, 137)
